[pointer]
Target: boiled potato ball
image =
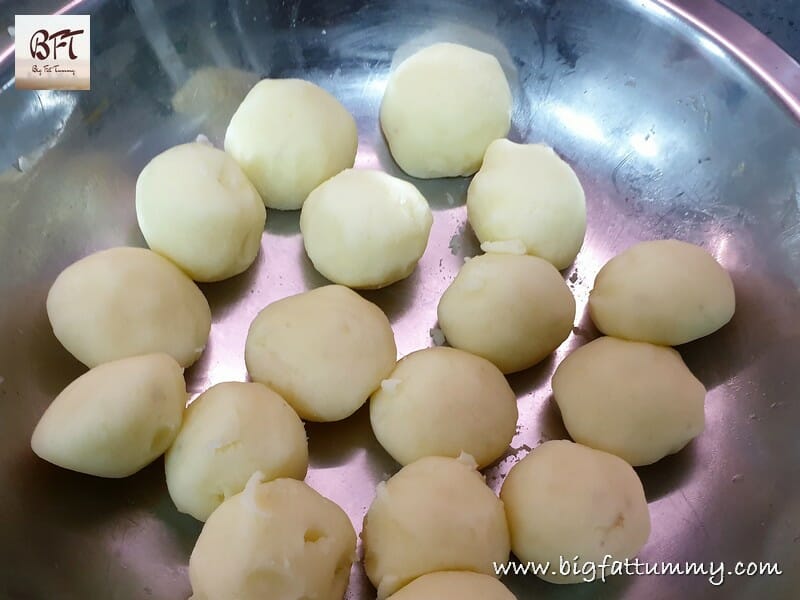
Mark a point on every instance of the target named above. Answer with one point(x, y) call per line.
point(116, 418)
point(128, 301)
point(454, 585)
point(442, 107)
point(632, 399)
point(324, 351)
point(526, 192)
point(664, 292)
point(436, 514)
point(289, 136)
point(279, 541)
point(512, 310)
point(565, 500)
point(196, 207)
point(442, 402)
point(365, 229)
point(229, 432)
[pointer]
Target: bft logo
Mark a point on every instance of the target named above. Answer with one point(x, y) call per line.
point(45, 44)
point(52, 52)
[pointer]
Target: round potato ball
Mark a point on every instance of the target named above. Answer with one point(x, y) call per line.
point(454, 585)
point(526, 192)
point(442, 402)
point(229, 432)
point(633, 399)
point(436, 514)
point(279, 540)
point(196, 207)
point(565, 500)
point(116, 418)
point(365, 229)
point(664, 292)
point(512, 310)
point(289, 136)
point(128, 301)
point(442, 107)
point(325, 351)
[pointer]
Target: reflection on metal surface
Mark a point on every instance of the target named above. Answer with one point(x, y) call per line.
point(579, 124)
point(669, 138)
point(645, 144)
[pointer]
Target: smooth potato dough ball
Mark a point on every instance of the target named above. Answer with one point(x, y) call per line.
point(664, 292)
point(567, 500)
point(365, 229)
point(279, 540)
point(512, 310)
point(632, 399)
point(442, 402)
point(442, 107)
point(116, 418)
point(289, 136)
point(128, 301)
point(454, 585)
point(229, 432)
point(526, 192)
point(325, 351)
point(196, 207)
point(436, 514)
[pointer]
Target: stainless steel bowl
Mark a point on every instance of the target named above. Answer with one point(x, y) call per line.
point(681, 121)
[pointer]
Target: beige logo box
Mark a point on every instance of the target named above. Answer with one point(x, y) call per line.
point(51, 52)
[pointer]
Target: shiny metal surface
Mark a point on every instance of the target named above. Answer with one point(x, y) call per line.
point(671, 133)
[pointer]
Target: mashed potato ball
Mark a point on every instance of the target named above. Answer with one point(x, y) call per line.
point(196, 207)
point(454, 585)
point(526, 192)
point(664, 292)
point(442, 402)
point(128, 301)
point(279, 541)
point(442, 107)
point(229, 432)
point(632, 399)
point(512, 310)
point(565, 500)
point(325, 351)
point(365, 229)
point(289, 136)
point(116, 418)
point(436, 514)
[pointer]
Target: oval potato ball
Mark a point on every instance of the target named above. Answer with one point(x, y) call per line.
point(289, 136)
point(664, 292)
point(325, 351)
point(442, 107)
point(442, 402)
point(116, 418)
point(229, 432)
point(633, 399)
point(436, 514)
point(512, 310)
point(279, 540)
point(526, 192)
point(454, 585)
point(196, 207)
point(128, 301)
point(567, 500)
point(365, 229)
